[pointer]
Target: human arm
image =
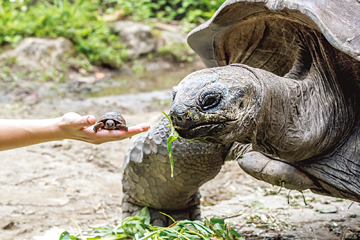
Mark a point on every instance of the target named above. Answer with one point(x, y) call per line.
point(19, 133)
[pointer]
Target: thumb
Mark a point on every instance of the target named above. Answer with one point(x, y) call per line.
point(74, 119)
point(88, 120)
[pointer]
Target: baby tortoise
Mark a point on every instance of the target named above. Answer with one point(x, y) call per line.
point(111, 121)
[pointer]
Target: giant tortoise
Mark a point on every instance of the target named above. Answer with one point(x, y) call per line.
point(281, 89)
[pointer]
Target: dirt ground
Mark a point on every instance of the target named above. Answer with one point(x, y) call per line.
point(49, 184)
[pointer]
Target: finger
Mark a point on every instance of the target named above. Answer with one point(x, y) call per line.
point(111, 135)
point(90, 120)
point(143, 127)
point(85, 121)
point(103, 135)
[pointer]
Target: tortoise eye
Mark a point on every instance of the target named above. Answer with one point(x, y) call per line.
point(210, 100)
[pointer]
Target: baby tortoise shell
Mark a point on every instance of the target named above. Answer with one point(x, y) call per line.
point(111, 121)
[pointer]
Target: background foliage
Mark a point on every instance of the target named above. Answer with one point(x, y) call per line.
point(76, 21)
point(189, 11)
point(80, 21)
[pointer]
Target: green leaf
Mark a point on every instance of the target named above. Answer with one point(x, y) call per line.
point(134, 228)
point(168, 216)
point(235, 234)
point(217, 220)
point(173, 136)
point(65, 236)
point(202, 228)
point(144, 214)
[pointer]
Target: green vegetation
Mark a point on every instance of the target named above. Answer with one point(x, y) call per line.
point(176, 53)
point(139, 227)
point(82, 22)
point(190, 12)
point(76, 20)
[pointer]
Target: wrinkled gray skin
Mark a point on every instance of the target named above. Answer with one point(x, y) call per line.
point(284, 97)
point(147, 177)
point(306, 120)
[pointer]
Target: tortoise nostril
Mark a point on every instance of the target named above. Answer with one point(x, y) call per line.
point(176, 118)
point(177, 114)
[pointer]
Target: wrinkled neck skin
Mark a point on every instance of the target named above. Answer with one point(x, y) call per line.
point(308, 111)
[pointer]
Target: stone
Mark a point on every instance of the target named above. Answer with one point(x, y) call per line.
point(42, 53)
point(137, 36)
point(170, 38)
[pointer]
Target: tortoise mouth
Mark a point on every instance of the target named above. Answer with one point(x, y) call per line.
point(206, 132)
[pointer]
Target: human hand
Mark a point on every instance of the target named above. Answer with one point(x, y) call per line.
point(77, 127)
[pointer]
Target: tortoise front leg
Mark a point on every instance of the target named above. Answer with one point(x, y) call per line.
point(147, 179)
point(98, 126)
point(322, 175)
point(121, 126)
point(275, 172)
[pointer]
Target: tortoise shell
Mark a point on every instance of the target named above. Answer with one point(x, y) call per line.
point(243, 31)
point(111, 121)
point(277, 36)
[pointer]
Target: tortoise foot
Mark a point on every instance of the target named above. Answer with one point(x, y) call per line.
point(121, 127)
point(275, 172)
point(159, 219)
point(97, 126)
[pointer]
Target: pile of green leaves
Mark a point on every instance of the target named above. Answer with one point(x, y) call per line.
point(77, 20)
point(138, 227)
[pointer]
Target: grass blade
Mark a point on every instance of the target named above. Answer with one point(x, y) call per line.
point(173, 136)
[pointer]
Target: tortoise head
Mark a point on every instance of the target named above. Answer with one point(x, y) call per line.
point(110, 124)
point(305, 73)
point(215, 105)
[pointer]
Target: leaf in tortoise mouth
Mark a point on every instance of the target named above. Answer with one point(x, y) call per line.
point(173, 136)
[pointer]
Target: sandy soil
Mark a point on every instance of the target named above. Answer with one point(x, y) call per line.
point(46, 185)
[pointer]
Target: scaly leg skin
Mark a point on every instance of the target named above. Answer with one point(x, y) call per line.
point(338, 173)
point(275, 172)
point(322, 175)
point(147, 177)
point(120, 126)
point(98, 126)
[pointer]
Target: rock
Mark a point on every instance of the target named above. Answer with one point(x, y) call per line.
point(170, 38)
point(9, 225)
point(137, 36)
point(42, 53)
point(172, 44)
